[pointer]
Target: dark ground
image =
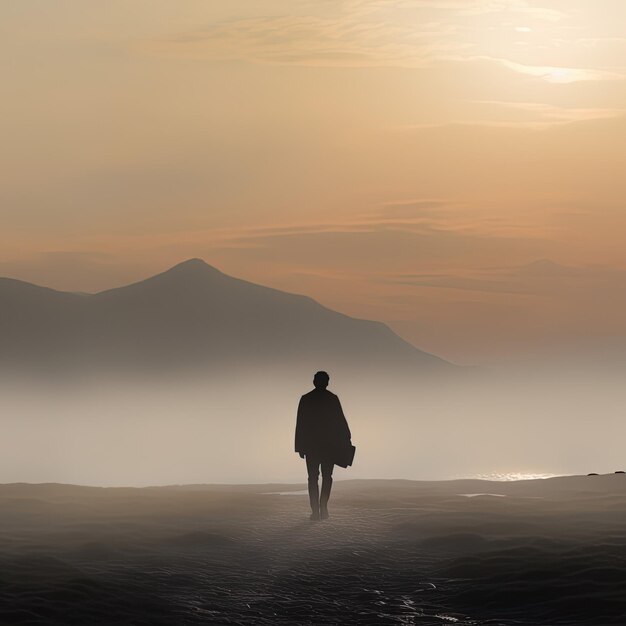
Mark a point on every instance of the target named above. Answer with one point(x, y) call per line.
point(551, 552)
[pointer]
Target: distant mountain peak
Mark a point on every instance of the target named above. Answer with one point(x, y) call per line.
point(187, 316)
point(192, 267)
point(187, 275)
point(193, 264)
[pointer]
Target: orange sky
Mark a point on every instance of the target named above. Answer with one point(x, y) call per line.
point(405, 160)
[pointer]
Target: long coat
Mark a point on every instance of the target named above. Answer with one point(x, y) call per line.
point(321, 427)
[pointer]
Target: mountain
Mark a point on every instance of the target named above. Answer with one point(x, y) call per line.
point(191, 315)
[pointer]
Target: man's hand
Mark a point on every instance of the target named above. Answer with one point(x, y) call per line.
point(301, 455)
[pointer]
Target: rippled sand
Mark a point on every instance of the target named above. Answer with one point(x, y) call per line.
point(394, 552)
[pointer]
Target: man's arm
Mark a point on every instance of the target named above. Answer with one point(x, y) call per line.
point(344, 429)
point(299, 443)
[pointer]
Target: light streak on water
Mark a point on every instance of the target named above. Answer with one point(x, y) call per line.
point(508, 476)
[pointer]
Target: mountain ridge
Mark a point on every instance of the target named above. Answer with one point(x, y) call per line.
point(189, 315)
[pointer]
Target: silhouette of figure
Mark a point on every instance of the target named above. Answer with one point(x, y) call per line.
point(322, 433)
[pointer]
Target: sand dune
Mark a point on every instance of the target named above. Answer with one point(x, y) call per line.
point(394, 552)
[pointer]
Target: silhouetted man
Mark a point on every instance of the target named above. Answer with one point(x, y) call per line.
point(322, 433)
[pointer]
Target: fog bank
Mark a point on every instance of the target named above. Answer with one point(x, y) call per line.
point(240, 429)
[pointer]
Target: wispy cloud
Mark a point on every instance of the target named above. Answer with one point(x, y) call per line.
point(380, 245)
point(543, 277)
point(553, 74)
point(415, 209)
point(343, 40)
point(348, 33)
point(541, 114)
point(464, 7)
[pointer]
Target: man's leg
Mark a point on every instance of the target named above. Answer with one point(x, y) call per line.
point(313, 469)
point(327, 483)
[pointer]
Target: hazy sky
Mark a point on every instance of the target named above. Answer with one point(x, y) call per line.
point(455, 168)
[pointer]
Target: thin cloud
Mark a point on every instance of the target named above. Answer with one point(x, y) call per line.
point(543, 277)
point(419, 217)
point(543, 113)
point(381, 33)
point(381, 246)
point(465, 284)
point(464, 7)
point(415, 209)
point(561, 75)
point(342, 41)
point(348, 33)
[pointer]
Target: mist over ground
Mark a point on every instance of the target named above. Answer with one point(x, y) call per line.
point(238, 427)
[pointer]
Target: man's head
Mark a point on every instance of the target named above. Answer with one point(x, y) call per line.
point(320, 380)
